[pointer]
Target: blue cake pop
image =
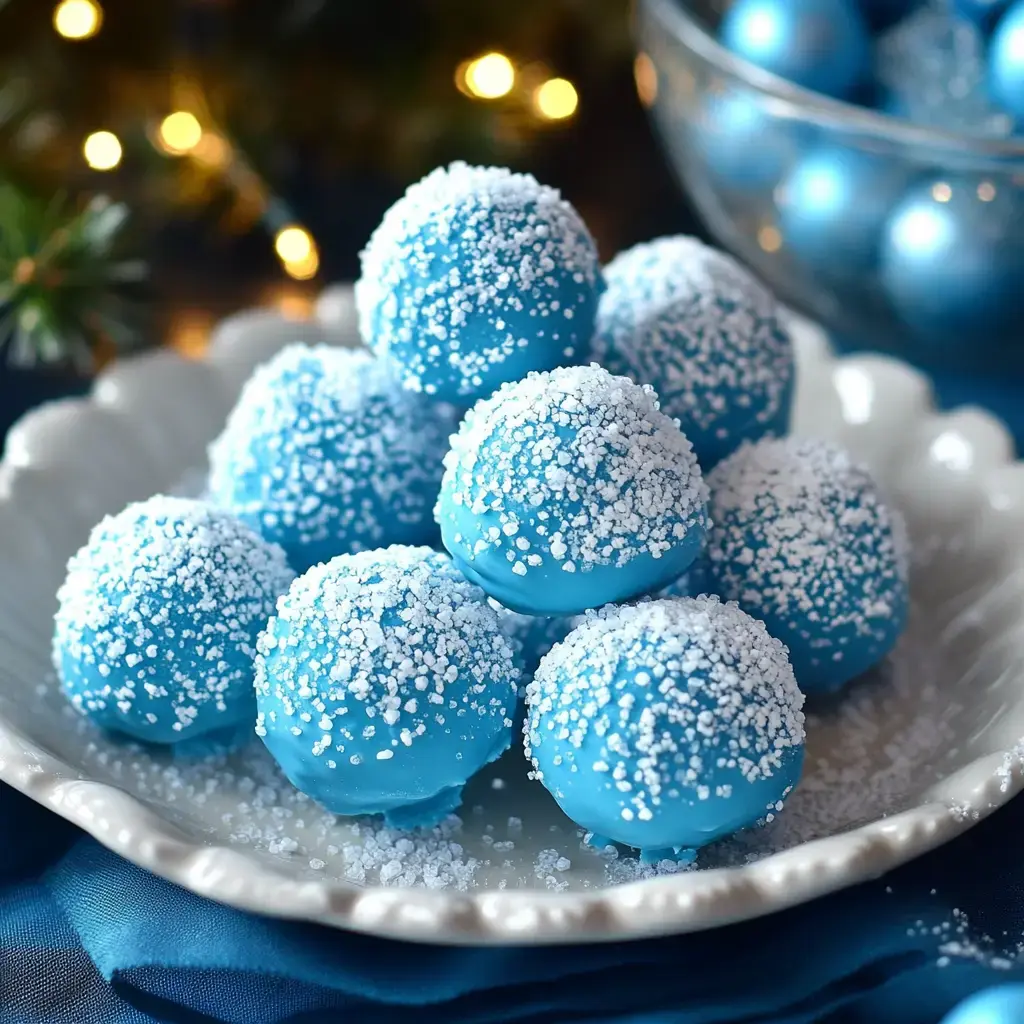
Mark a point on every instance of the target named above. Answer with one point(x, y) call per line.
point(1001, 1004)
point(803, 542)
point(569, 490)
point(476, 277)
point(691, 322)
point(666, 725)
point(820, 44)
point(384, 682)
point(156, 631)
point(325, 454)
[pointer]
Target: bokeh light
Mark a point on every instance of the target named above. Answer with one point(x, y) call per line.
point(102, 151)
point(77, 19)
point(556, 99)
point(180, 132)
point(489, 77)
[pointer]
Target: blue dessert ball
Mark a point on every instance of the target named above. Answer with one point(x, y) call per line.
point(833, 206)
point(326, 454)
point(158, 617)
point(1006, 61)
point(820, 44)
point(666, 725)
point(803, 541)
point(384, 682)
point(697, 327)
point(1002, 1004)
point(569, 490)
point(476, 277)
point(743, 146)
point(952, 261)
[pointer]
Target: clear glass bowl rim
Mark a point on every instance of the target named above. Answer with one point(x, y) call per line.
point(793, 102)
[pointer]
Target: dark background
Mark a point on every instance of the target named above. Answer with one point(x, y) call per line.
point(331, 107)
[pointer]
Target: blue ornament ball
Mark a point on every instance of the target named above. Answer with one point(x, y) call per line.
point(706, 335)
point(743, 146)
point(1002, 1004)
point(666, 725)
point(325, 453)
point(803, 541)
point(983, 12)
point(833, 206)
point(880, 14)
point(476, 277)
point(1006, 61)
point(158, 617)
point(952, 262)
point(821, 45)
point(384, 682)
point(569, 490)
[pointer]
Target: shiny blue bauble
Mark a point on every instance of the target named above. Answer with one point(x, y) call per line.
point(820, 44)
point(1003, 1004)
point(743, 147)
point(1006, 61)
point(982, 12)
point(880, 14)
point(832, 208)
point(952, 261)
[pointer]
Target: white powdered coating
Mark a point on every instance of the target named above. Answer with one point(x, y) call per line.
point(690, 320)
point(585, 461)
point(324, 442)
point(468, 240)
point(379, 648)
point(803, 533)
point(674, 690)
point(163, 585)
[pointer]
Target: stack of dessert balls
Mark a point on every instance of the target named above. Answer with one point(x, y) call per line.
point(540, 479)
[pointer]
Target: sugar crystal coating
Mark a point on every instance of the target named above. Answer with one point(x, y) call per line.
point(804, 542)
point(384, 682)
point(691, 322)
point(667, 724)
point(475, 277)
point(156, 631)
point(326, 454)
point(568, 490)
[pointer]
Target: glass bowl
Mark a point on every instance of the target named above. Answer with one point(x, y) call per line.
point(896, 237)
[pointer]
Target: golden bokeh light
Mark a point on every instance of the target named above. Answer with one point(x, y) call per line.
point(77, 19)
point(556, 99)
point(102, 151)
point(297, 252)
point(646, 78)
point(489, 77)
point(180, 132)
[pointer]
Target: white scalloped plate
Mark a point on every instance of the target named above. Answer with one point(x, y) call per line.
point(906, 761)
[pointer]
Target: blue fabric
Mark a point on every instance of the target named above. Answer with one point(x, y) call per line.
point(86, 937)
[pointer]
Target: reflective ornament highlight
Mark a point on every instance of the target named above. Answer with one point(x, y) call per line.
point(952, 262)
point(1006, 61)
point(820, 44)
point(1003, 1004)
point(832, 208)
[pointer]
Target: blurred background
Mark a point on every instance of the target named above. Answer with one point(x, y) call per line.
point(256, 144)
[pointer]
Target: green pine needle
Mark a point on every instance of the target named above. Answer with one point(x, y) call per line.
point(64, 285)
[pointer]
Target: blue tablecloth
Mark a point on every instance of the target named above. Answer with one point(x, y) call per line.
point(86, 938)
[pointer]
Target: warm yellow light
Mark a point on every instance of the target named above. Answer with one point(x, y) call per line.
point(490, 77)
point(769, 239)
point(555, 99)
point(102, 151)
point(942, 192)
point(294, 244)
point(180, 132)
point(304, 269)
point(77, 19)
point(646, 78)
point(212, 150)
